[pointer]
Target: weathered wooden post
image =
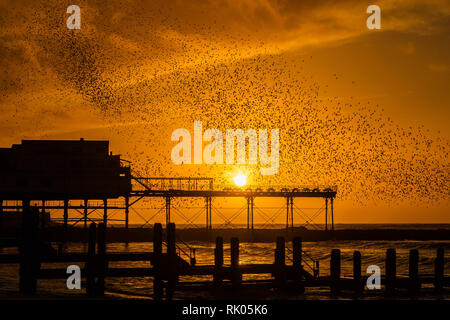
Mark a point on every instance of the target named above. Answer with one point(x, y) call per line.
point(29, 250)
point(297, 258)
point(358, 285)
point(218, 261)
point(391, 271)
point(297, 263)
point(172, 255)
point(297, 252)
point(158, 287)
point(280, 261)
point(1, 214)
point(91, 263)
point(236, 276)
point(414, 282)
point(102, 264)
point(439, 270)
point(335, 270)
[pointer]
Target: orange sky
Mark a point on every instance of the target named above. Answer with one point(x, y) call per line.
point(362, 109)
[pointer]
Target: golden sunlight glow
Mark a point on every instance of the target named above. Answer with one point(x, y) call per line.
point(240, 180)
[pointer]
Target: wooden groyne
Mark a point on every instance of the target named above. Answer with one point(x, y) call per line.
point(117, 234)
point(166, 267)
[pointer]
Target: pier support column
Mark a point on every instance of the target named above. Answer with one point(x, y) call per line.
point(292, 212)
point(208, 212)
point(287, 213)
point(248, 212)
point(127, 211)
point(85, 213)
point(66, 212)
point(332, 215)
point(167, 211)
point(105, 211)
point(29, 251)
point(326, 214)
point(251, 211)
point(102, 263)
point(90, 263)
point(42, 215)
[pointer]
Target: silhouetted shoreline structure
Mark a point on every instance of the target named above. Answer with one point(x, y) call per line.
point(58, 173)
point(166, 267)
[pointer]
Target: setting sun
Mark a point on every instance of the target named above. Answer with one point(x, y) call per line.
point(240, 180)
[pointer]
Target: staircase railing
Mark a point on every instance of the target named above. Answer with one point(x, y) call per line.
point(183, 252)
point(309, 262)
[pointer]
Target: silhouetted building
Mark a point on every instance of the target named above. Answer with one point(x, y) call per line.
point(62, 169)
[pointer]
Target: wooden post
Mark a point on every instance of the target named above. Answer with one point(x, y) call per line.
point(218, 261)
point(90, 263)
point(236, 276)
point(391, 271)
point(297, 252)
point(1, 214)
point(102, 264)
point(358, 286)
point(29, 249)
point(439, 270)
point(414, 282)
point(280, 261)
point(172, 254)
point(297, 263)
point(335, 270)
point(157, 252)
point(326, 214)
point(171, 245)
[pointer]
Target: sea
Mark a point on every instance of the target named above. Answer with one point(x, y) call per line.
point(373, 253)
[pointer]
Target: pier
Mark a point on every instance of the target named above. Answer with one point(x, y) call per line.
point(78, 179)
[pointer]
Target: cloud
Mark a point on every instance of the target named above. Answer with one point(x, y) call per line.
point(442, 68)
point(125, 48)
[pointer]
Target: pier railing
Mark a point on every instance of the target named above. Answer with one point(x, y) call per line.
point(207, 184)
